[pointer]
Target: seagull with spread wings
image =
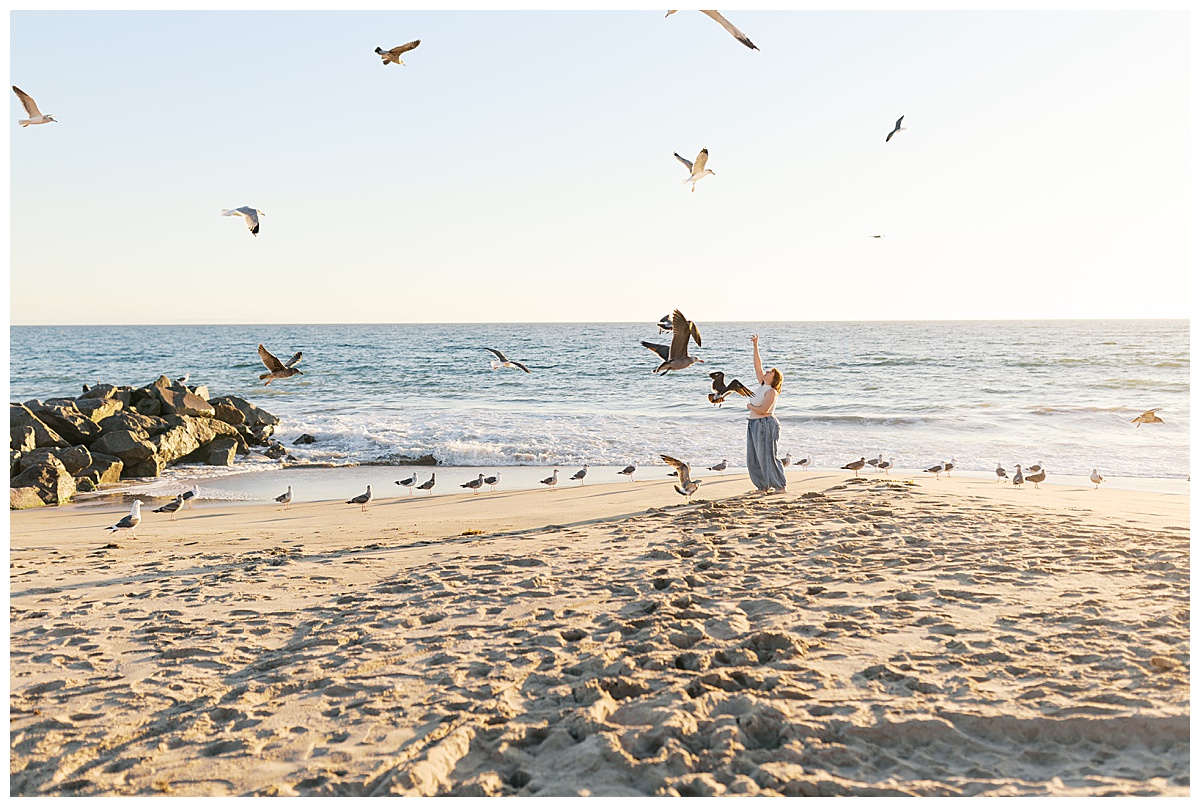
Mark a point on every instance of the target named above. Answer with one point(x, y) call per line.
point(721, 390)
point(697, 170)
point(250, 214)
point(1147, 417)
point(687, 486)
point(276, 368)
point(676, 356)
point(504, 361)
point(31, 109)
point(728, 26)
point(898, 128)
point(393, 56)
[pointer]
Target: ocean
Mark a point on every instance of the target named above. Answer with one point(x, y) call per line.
point(1057, 392)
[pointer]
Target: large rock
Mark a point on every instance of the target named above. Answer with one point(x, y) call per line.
point(20, 417)
point(252, 414)
point(276, 450)
point(74, 459)
point(71, 424)
point(22, 439)
point(220, 451)
point(149, 467)
point(228, 413)
point(24, 498)
point(101, 391)
point(176, 443)
point(149, 406)
point(177, 400)
point(54, 485)
point(126, 420)
point(97, 409)
point(127, 446)
point(103, 470)
point(200, 391)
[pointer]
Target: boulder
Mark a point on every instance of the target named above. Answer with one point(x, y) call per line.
point(176, 400)
point(304, 440)
point(74, 459)
point(97, 409)
point(149, 406)
point(22, 438)
point(20, 417)
point(252, 414)
point(276, 450)
point(70, 423)
point(14, 462)
point(24, 498)
point(128, 446)
point(220, 451)
point(228, 413)
point(104, 391)
point(103, 470)
point(127, 420)
point(149, 467)
point(176, 442)
point(54, 485)
point(200, 391)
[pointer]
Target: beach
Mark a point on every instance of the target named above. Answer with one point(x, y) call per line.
point(854, 636)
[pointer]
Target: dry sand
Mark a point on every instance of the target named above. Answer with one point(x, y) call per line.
point(850, 637)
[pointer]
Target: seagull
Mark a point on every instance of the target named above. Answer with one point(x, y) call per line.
point(428, 485)
point(1001, 474)
point(1096, 478)
point(676, 356)
point(393, 56)
point(551, 481)
point(1147, 417)
point(408, 483)
point(936, 470)
point(950, 465)
point(249, 214)
point(182, 381)
point(787, 460)
point(697, 169)
point(171, 507)
point(285, 498)
point(628, 471)
point(854, 466)
point(492, 481)
point(188, 495)
point(277, 368)
point(362, 499)
point(1018, 477)
point(1040, 476)
point(885, 465)
point(687, 486)
point(721, 390)
point(130, 521)
point(1035, 468)
point(580, 474)
point(898, 128)
point(664, 324)
point(728, 26)
point(35, 114)
point(803, 463)
point(877, 236)
point(474, 484)
point(504, 362)
point(875, 462)
point(720, 466)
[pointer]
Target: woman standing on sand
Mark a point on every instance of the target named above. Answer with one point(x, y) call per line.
point(762, 431)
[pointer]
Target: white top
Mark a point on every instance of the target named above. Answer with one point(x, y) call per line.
point(757, 399)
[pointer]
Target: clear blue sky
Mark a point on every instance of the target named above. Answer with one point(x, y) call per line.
point(520, 167)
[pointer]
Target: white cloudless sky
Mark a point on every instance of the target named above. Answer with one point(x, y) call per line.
point(520, 167)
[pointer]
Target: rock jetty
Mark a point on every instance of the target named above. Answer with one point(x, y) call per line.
point(110, 433)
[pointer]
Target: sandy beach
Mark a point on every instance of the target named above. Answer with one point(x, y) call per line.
point(873, 636)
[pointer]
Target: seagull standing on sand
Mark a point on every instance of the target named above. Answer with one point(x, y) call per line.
point(1035, 468)
point(408, 483)
point(804, 463)
point(855, 466)
point(950, 465)
point(188, 495)
point(1001, 474)
point(628, 471)
point(1147, 417)
point(719, 467)
point(171, 507)
point(936, 470)
point(580, 474)
point(393, 56)
point(898, 128)
point(551, 481)
point(504, 362)
point(428, 485)
point(362, 499)
point(35, 115)
point(676, 356)
point(728, 26)
point(787, 460)
point(474, 484)
point(285, 499)
point(697, 170)
point(1096, 479)
point(130, 521)
point(1018, 477)
point(492, 481)
point(885, 465)
point(1040, 476)
point(276, 368)
point(250, 214)
point(874, 463)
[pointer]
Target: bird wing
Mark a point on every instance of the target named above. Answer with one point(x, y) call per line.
point(28, 103)
point(499, 355)
point(740, 388)
point(399, 49)
point(273, 364)
point(898, 121)
point(663, 351)
point(682, 467)
point(125, 522)
point(731, 28)
point(294, 360)
point(251, 215)
point(701, 161)
point(680, 333)
point(1151, 411)
point(522, 366)
point(687, 163)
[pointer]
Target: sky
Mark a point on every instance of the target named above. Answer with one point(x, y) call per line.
point(520, 167)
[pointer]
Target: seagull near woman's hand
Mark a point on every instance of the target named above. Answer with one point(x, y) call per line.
point(250, 214)
point(697, 169)
point(676, 356)
point(728, 26)
point(277, 368)
point(393, 56)
point(35, 115)
point(505, 362)
point(898, 128)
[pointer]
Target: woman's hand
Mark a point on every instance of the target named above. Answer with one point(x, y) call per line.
point(754, 339)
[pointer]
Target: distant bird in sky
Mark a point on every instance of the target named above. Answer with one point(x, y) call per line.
point(697, 170)
point(285, 498)
point(720, 466)
point(474, 484)
point(35, 115)
point(721, 390)
point(628, 471)
point(393, 56)
point(936, 470)
point(728, 26)
point(249, 214)
point(429, 484)
point(886, 465)
point(130, 521)
point(676, 356)
point(787, 460)
point(687, 486)
point(188, 495)
point(551, 481)
point(492, 481)
point(362, 499)
point(171, 507)
point(664, 324)
point(580, 474)
point(898, 128)
point(855, 466)
point(1018, 477)
point(276, 368)
point(505, 362)
point(1096, 478)
point(877, 236)
point(1001, 474)
point(1147, 417)
point(408, 483)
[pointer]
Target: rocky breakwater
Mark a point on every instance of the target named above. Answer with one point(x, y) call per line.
point(110, 433)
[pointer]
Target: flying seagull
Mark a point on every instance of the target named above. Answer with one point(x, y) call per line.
point(898, 128)
point(492, 481)
point(285, 498)
point(719, 467)
point(551, 481)
point(171, 507)
point(428, 485)
point(728, 26)
point(393, 56)
point(664, 324)
point(676, 357)
point(580, 474)
point(408, 483)
point(474, 484)
point(721, 390)
point(277, 368)
point(697, 169)
point(505, 362)
point(130, 521)
point(35, 115)
point(1096, 478)
point(1147, 417)
point(249, 214)
point(856, 465)
point(687, 486)
point(628, 471)
point(362, 499)
point(1001, 474)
